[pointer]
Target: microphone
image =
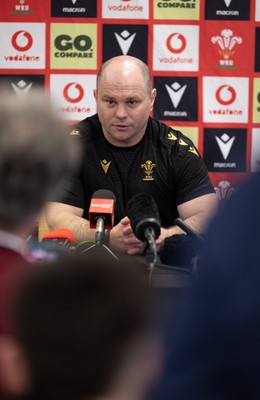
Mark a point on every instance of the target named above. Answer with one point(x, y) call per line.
point(182, 250)
point(63, 237)
point(189, 230)
point(101, 212)
point(144, 216)
point(54, 244)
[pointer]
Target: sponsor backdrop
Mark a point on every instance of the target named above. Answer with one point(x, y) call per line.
point(204, 57)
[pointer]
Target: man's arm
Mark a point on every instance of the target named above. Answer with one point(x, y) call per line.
point(197, 213)
point(59, 215)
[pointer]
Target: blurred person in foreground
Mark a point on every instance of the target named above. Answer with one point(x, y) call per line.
point(82, 330)
point(213, 347)
point(35, 157)
point(126, 151)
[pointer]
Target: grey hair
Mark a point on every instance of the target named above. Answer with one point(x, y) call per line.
point(35, 156)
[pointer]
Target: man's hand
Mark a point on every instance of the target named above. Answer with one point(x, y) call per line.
point(123, 240)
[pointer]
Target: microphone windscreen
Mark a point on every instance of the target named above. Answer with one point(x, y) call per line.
point(103, 194)
point(62, 233)
point(143, 212)
point(179, 250)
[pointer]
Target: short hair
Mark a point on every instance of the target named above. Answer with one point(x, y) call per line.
point(142, 66)
point(77, 319)
point(35, 156)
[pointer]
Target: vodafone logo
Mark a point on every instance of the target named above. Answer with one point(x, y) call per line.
point(133, 9)
point(226, 95)
point(73, 92)
point(176, 50)
point(24, 45)
point(176, 43)
point(71, 95)
point(22, 41)
point(225, 99)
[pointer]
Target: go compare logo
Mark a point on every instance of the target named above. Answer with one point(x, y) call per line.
point(81, 45)
point(73, 46)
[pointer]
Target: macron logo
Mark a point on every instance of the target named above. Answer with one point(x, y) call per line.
point(21, 89)
point(125, 40)
point(225, 143)
point(175, 91)
point(227, 2)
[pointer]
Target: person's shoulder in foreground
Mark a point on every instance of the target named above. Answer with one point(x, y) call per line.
point(213, 347)
point(35, 156)
point(82, 325)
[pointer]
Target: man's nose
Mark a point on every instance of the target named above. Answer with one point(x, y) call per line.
point(121, 111)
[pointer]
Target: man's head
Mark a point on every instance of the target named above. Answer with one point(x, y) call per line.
point(34, 157)
point(81, 324)
point(124, 98)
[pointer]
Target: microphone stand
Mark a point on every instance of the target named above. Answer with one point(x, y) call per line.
point(150, 250)
point(99, 242)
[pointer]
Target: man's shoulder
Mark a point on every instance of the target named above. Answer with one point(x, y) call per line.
point(85, 128)
point(172, 139)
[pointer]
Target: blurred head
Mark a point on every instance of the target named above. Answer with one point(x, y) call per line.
point(35, 156)
point(82, 324)
point(124, 98)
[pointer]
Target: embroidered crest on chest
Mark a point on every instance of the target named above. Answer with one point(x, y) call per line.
point(148, 167)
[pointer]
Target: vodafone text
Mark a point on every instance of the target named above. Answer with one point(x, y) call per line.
point(125, 8)
point(176, 60)
point(24, 57)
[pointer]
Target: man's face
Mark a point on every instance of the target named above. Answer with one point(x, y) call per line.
point(123, 105)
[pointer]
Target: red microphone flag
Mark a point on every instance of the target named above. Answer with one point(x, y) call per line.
point(104, 207)
point(61, 233)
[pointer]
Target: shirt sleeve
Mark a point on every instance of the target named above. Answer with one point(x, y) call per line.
point(192, 179)
point(189, 170)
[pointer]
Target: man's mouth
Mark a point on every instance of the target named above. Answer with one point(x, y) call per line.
point(121, 126)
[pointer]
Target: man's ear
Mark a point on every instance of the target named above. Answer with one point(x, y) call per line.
point(95, 93)
point(152, 99)
point(14, 371)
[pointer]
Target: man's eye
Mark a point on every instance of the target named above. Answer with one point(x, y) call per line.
point(110, 102)
point(132, 102)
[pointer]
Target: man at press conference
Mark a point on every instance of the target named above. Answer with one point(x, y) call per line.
point(126, 151)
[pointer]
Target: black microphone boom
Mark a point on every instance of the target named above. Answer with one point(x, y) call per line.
point(189, 230)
